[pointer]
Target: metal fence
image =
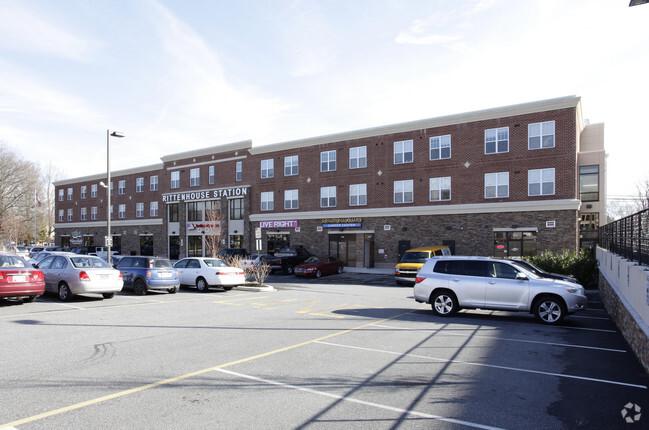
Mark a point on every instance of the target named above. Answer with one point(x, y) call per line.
point(628, 237)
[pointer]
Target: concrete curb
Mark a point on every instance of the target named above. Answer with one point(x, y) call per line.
point(266, 288)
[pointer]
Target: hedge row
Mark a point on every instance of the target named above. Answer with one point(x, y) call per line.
point(581, 265)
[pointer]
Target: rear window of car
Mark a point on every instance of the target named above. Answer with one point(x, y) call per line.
point(88, 262)
point(9, 261)
point(160, 264)
point(213, 262)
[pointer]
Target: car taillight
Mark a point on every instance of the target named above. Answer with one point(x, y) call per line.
point(83, 276)
point(120, 275)
point(148, 273)
point(418, 279)
point(37, 276)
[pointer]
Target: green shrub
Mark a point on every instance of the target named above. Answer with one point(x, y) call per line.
point(581, 264)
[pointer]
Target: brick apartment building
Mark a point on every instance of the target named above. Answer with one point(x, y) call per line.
point(512, 180)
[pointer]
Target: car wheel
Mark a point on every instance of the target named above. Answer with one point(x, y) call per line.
point(29, 299)
point(108, 295)
point(139, 287)
point(173, 290)
point(549, 310)
point(201, 285)
point(318, 273)
point(340, 269)
point(289, 269)
point(444, 304)
point(64, 292)
point(228, 287)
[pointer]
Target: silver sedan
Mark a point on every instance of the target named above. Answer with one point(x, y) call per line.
point(71, 274)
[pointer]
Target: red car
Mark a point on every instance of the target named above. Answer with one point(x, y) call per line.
point(18, 279)
point(318, 266)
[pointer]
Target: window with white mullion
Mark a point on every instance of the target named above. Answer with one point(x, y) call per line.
point(358, 157)
point(403, 191)
point(358, 195)
point(267, 168)
point(440, 189)
point(328, 197)
point(403, 152)
point(496, 140)
point(440, 147)
point(291, 199)
point(496, 185)
point(328, 161)
point(540, 135)
point(540, 182)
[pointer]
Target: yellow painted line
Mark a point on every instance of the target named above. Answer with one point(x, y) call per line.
point(187, 375)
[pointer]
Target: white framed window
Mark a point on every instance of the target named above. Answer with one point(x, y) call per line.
point(153, 183)
point(291, 199)
point(121, 211)
point(540, 135)
point(540, 182)
point(93, 190)
point(70, 193)
point(328, 161)
point(210, 175)
point(153, 209)
point(440, 147)
point(112, 189)
point(139, 185)
point(84, 191)
point(112, 212)
point(403, 191)
point(291, 165)
point(139, 210)
point(61, 192)
point(84, 213)
point(358, 195)
point(358, 157)
point(175, 179)
point(238, 176)
point(61, 215)
point(328, 197)
point(403, 152)
point(267, 203)
point(69, 214)
point(195, 177)
point(440, 189)
point(496, 185)
point(496, 140)
point(121, 187)
point(93, 213)
point(267, 168)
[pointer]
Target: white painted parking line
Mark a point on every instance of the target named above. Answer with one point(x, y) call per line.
point(590, 318)
point(70, 306)
point(506, 339)
point(493, 366)
point(357, 401)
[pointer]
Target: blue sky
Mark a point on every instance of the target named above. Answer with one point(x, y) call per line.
point(176, 75)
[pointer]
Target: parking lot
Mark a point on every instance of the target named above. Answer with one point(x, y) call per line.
point(343, 351)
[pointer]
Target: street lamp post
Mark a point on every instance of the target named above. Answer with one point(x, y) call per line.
point(109, 237)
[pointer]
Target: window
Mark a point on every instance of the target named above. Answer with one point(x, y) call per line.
point(210, 175)
point(93, 190)
point(175, 179)
point(589, 183)
point(84, 212)
point(328, 161)
point(440, 189)
point(111, 212)
point(403, 191)
point(358, 195)
point(139, 185)
point(139, 210)
point(121, 187)
point(267, 201)
point(236, 208)
point(153, 183)
point(173, 212)
point(61, 195)
point(93, 213)
point(61, 214)
point(403, 152)
point(195, 177)
point(121, 211)
point(496, 185)
point(540, 182)
point(195, 211)
point(440, 147)
point(291, 199)
point(69, 214)
point(496, 140)
point(267, 170)
point(540, 135)
point(238, 175)
point(84, 191)
point(291, 165)
point(69, 193)
point(153, 209)
point(358, 157)
point(112, 188)
point(328, 197)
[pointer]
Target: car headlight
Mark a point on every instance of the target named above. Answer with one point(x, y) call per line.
point(573, 290)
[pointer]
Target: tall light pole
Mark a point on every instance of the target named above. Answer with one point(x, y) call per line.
point(109, 237)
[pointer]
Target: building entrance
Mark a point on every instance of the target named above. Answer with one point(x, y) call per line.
point(514, 243)
point(343, 247)
point(277, 242)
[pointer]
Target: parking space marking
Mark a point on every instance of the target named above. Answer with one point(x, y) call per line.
point(303, 307)
point(567, 345)
point(493, 366)
point(357, 401)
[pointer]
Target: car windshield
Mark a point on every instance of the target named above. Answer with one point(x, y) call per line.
point(529, 266)
point(89, 262)
point(313, 260)
point(415, 257)
point(213, 262)
point(12, 261)
point(160, 264)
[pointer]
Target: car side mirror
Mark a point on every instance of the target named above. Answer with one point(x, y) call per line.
point(521, 276)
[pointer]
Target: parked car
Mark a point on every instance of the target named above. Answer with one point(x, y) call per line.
point(143, 273)
point(37, 258)
point(412, 260)
point(19, 250)
point(453, 283)
point(540, 272)
point(228, 253)
point(318, 266)
point(205, 272)
point(19, 280)
point(289, 258)
point(35, 250)
point(69, 274)
point(254, 260)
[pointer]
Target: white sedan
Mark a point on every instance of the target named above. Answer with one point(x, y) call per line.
point(205, 272)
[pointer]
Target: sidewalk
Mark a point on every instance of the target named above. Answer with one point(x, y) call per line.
point(376, 271)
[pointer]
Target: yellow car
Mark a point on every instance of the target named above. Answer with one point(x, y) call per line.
point(413, 260)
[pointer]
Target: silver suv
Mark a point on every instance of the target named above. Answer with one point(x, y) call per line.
point(453, 283)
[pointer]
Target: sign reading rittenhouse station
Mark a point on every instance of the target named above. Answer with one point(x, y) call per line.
point(204, 194)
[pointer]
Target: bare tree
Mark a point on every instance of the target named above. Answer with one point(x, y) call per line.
point(214, 230)
point(51, 174)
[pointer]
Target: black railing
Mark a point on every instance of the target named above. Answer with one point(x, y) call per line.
point(628, 237)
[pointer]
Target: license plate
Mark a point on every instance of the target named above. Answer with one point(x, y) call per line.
point(164, 274)
point(18, 278)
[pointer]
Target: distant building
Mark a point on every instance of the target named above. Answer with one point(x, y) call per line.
point(512, 180)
